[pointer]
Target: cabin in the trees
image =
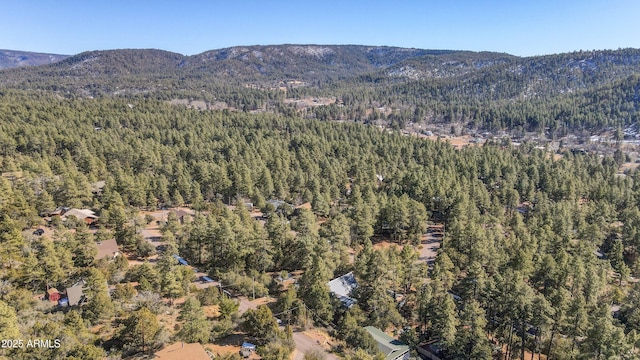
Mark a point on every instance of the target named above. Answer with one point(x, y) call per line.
point(342, 287)
point(86, 215)
point(98, 187)
point(280, 206)
point(107, 249)
point(182, 215)
point(59, 211)
point(391, 348)
point(75, 294)
point(276, 203)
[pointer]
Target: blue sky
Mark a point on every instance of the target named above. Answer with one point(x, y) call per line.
point(519, 27)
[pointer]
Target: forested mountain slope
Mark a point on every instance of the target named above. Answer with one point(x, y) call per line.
point(482, 90)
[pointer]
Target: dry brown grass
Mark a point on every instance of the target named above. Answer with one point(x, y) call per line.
point(211, 311)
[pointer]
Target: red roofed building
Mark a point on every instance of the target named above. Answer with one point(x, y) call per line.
point(53, 294)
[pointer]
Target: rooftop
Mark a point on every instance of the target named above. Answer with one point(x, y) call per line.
point(181, 261)
point(107, 248)
point(391, 348)
point(81, 214)
point(342, 287)
point(75, 294)
point(52, 291)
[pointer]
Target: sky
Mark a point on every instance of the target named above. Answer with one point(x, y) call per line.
point(518, 27)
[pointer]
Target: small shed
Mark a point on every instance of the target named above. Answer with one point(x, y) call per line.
point(53, 294)
point(181, 261)
point(59, 211)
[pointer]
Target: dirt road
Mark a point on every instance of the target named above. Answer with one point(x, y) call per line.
point(305, 344)
point(430, 245)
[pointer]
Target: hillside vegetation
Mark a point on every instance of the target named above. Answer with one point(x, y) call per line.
point(481, 90)
point(522, 229)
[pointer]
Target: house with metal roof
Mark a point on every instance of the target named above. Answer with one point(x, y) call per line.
point(391, 348)
point(181, 261)
point(86, 215)
point(276, 203)
point(342, 287)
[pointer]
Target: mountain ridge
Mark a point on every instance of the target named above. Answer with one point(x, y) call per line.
point(272, 63)
point(329, 55)
point(415, 84)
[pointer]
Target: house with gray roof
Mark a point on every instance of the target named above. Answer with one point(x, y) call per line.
point(107, 248)
point(75, 293)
